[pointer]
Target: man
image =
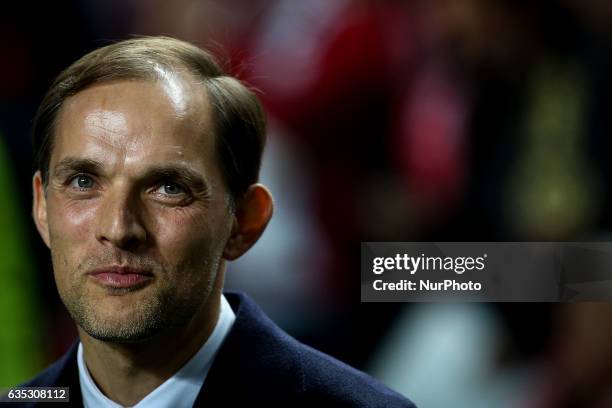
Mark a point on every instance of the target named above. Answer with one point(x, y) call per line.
point(148, 158)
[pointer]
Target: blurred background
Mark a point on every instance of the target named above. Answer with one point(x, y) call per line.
point(389, 120)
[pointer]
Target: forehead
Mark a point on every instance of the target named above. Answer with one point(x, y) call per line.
point(136, 122)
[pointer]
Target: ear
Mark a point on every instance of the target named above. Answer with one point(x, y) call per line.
point(251, 218)
point(39, 207)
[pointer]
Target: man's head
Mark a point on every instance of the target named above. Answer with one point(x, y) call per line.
point(148, 158)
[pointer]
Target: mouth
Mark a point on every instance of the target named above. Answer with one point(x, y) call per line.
point(126, 278)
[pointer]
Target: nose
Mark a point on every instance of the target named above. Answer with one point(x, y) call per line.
point(120, 222)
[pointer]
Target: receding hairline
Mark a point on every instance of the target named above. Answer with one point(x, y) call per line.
point(157, 74)
point(187, 82)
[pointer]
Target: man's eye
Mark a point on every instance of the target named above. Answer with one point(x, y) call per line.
point(171, 189)
point(82, 182)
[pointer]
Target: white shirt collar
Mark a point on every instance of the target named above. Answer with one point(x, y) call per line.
point(180, 390)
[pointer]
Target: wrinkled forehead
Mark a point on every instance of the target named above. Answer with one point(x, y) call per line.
point(135, 117)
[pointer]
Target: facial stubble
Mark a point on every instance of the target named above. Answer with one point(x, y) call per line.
point(157, 308)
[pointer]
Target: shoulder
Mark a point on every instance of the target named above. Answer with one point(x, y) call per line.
point(328, 379)
point(63, 372)
point(304, 374)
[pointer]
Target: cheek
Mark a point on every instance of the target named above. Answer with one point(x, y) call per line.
point(70, 221)
point(188, 235)
point(70, 228)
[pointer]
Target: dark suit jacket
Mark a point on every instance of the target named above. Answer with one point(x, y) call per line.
point(259, 364)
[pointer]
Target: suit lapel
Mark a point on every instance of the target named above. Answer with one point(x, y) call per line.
point(257, 362)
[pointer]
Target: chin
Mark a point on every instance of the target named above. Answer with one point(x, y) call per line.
point(121, 332)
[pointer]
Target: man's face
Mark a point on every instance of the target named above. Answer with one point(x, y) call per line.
point(137, 213)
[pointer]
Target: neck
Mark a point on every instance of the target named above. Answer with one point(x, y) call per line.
point(126, 373)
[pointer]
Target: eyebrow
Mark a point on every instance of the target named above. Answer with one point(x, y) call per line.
point(71, 165)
